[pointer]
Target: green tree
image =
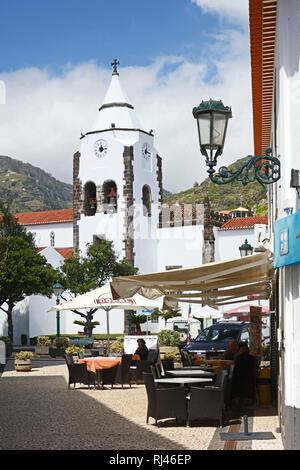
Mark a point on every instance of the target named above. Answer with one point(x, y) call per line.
point(166, 314)
point(138, 320)
point(9, 226)
point(80, 274)
point(23, 272)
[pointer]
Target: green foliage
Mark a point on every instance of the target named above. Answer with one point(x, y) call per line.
point(62, 342)
point(74, 350)
point(222, 197)
point(43, 191)
point(166, 314)
point(23, 272)
point(80, 274)
point(6, 340)
point(265, 353)
point(24, 355)
point(138, 320)
point(168, 338)
point(262, 209)
point(43, 341)
point(173, 355)
point(83, 323)
point(118, 345)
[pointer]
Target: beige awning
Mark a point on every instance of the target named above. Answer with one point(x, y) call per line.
point(220, 283)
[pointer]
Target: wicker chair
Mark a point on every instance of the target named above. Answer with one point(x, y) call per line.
point(78, 373)
point(107, 376)
point(165, 402)
point(209, 402)
point(123, 372)
point(168, 364)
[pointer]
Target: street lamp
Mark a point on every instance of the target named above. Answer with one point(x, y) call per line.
point(212, 120)
point(58, 290)
point(246, 249)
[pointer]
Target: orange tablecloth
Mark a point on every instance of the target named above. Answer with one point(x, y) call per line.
point(136, 357)
point(102, 363)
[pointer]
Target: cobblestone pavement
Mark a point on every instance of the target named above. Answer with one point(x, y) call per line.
point(39, 412)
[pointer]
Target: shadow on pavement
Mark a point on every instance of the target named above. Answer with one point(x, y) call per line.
point(40, 413)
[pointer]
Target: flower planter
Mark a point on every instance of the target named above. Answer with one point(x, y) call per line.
point(23, 365)
point(41, 350)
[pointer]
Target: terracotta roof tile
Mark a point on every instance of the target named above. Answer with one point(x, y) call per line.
point(45, 217)
point(65, 252)
point(244, 222)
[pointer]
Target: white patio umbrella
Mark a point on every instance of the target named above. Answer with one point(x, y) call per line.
point(207, 312)
point(102, 298)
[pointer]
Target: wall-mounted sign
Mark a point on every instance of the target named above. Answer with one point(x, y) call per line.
point(287, 240)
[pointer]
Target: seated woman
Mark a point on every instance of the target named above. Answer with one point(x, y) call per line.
point(142, 349)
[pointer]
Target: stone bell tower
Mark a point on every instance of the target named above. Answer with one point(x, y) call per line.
point(117, 181)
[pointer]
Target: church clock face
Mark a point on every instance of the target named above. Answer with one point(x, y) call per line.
point(100, 148)
point(146, 151)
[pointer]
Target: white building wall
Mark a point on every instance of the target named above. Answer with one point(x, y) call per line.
point(227, 242)
point(286, 144)
point(63, 234)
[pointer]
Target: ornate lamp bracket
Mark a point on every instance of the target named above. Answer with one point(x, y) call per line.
point(264, 169)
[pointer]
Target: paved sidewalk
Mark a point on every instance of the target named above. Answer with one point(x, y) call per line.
point(39, 412)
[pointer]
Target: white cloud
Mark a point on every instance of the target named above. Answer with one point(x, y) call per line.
point(234, 10)
point(44, 114)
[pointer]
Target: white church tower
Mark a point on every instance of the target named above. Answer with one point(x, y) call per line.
point(117, 181)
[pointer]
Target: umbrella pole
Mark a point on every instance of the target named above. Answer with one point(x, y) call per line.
point(107, 330)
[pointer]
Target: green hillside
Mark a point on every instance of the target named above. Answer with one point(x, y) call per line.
point(226, 196)
point(31, 189)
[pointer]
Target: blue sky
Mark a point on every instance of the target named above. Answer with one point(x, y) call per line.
point(55, 68)
point(54, 32)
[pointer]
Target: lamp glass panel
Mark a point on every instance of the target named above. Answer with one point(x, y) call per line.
point(219, 127)
point(204, 129)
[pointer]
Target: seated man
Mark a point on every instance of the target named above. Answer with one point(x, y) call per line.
point(142, 349)
point(242, 389)
point(231, 352)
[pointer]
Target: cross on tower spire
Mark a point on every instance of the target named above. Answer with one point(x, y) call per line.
point(114, 65)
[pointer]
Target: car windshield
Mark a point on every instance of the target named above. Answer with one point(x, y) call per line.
point(218, 335)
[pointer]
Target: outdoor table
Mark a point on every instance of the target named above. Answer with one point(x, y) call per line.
point(96, 363)
point(182, 380)
point(205, 368)
point(190, 373)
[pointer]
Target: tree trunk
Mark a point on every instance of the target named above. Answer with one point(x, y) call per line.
point(88, 329)
point(10, 326)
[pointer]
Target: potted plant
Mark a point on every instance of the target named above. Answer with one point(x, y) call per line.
point(61, 343)
point(74, 350)
point(43, 343)
point(23, 361)
point(118, 345)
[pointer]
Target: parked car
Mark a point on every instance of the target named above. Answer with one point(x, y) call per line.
point(216, 338)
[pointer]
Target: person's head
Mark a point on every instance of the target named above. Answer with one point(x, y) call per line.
point(141, 342)
point(233, 345)
point(243, 347)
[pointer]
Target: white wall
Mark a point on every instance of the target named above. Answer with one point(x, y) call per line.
point(227, 242)
point(63, 233)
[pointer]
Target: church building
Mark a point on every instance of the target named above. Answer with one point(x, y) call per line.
point(118, 196)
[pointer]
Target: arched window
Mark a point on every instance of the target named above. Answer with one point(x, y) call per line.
point(90, 198)
point(52, 239)
point(146, 201)
point(110, 196)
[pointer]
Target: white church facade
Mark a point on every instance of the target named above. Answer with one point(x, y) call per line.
point(118, 196)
